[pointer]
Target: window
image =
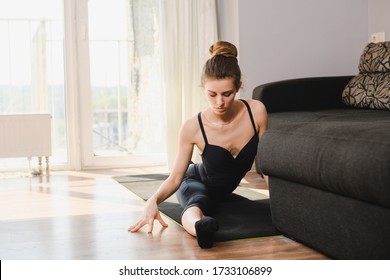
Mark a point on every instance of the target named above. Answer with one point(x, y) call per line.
point(127, 100)
point(32, 67)
point(119, 102)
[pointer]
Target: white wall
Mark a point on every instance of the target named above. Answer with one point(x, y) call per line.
point(282, 39)
point(379, 17)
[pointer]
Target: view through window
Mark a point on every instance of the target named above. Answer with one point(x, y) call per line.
point(127, 103)
point(125, 77)
point(32, 67)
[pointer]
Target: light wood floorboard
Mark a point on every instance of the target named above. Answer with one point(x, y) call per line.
point(85, 215)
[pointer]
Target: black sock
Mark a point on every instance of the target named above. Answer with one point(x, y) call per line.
point(205, 229)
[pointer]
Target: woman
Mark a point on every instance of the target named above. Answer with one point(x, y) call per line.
point(227, 134)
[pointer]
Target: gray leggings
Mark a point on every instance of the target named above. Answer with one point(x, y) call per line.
point(194, 193)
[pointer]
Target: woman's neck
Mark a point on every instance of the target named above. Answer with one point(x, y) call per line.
point(226, 119)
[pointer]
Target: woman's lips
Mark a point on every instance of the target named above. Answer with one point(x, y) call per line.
point(220, 109)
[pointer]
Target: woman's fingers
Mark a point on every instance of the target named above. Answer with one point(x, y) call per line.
point(133, 228)
point(151, 224)
point(151, 213)
point(143, 222)
point(137, 226)
point(160, 219)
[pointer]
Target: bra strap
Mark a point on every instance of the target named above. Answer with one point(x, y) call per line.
point(202, 128)
point(250, 114)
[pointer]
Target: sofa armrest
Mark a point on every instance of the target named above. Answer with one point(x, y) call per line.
point(302, 94)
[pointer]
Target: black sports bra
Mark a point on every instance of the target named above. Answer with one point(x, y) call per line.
point(220, 169)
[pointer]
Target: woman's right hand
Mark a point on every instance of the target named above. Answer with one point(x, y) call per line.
point(151, 213)
point(188, 132)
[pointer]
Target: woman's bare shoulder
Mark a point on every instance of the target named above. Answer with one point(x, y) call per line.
point(190, 128)
point(191, 123)
point(260, 115)
point(257, 106)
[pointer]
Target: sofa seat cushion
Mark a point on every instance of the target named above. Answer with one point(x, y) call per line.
point(345, 151)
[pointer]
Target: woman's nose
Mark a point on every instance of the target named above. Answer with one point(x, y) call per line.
point(220, 100)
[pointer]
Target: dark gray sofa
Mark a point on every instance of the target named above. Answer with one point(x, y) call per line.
point(328, 166)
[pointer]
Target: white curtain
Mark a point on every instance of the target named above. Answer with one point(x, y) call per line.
point(189, 28)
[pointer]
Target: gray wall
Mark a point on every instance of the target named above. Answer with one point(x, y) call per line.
point(227, 11)
point(282, 39)
point(379, 17)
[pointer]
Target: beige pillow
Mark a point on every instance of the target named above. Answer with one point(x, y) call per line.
point(371, 87)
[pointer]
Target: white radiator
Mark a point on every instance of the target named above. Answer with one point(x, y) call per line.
point(25, 135)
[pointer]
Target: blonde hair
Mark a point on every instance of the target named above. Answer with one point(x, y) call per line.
point(223, 63)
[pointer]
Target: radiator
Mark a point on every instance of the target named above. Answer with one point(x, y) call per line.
point(26, 135)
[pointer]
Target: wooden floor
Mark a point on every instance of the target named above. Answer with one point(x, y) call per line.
point(85, 215)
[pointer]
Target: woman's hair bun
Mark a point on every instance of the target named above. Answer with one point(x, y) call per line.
point(223, 48)
point(222, 64)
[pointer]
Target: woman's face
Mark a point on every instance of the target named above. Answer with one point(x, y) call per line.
point(220, 94)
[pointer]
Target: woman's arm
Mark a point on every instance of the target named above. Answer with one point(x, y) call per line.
point(172, 183)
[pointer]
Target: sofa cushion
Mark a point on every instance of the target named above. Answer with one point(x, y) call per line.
point(375, 58)
point(345, 151)
point(371, 87)
point(368, 91)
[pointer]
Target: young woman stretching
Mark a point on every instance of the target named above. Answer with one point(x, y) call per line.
point(227, 134)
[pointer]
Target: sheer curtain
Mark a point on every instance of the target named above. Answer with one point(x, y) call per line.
point(189, 28)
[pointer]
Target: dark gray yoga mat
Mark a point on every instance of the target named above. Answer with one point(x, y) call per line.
point(244, 214)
